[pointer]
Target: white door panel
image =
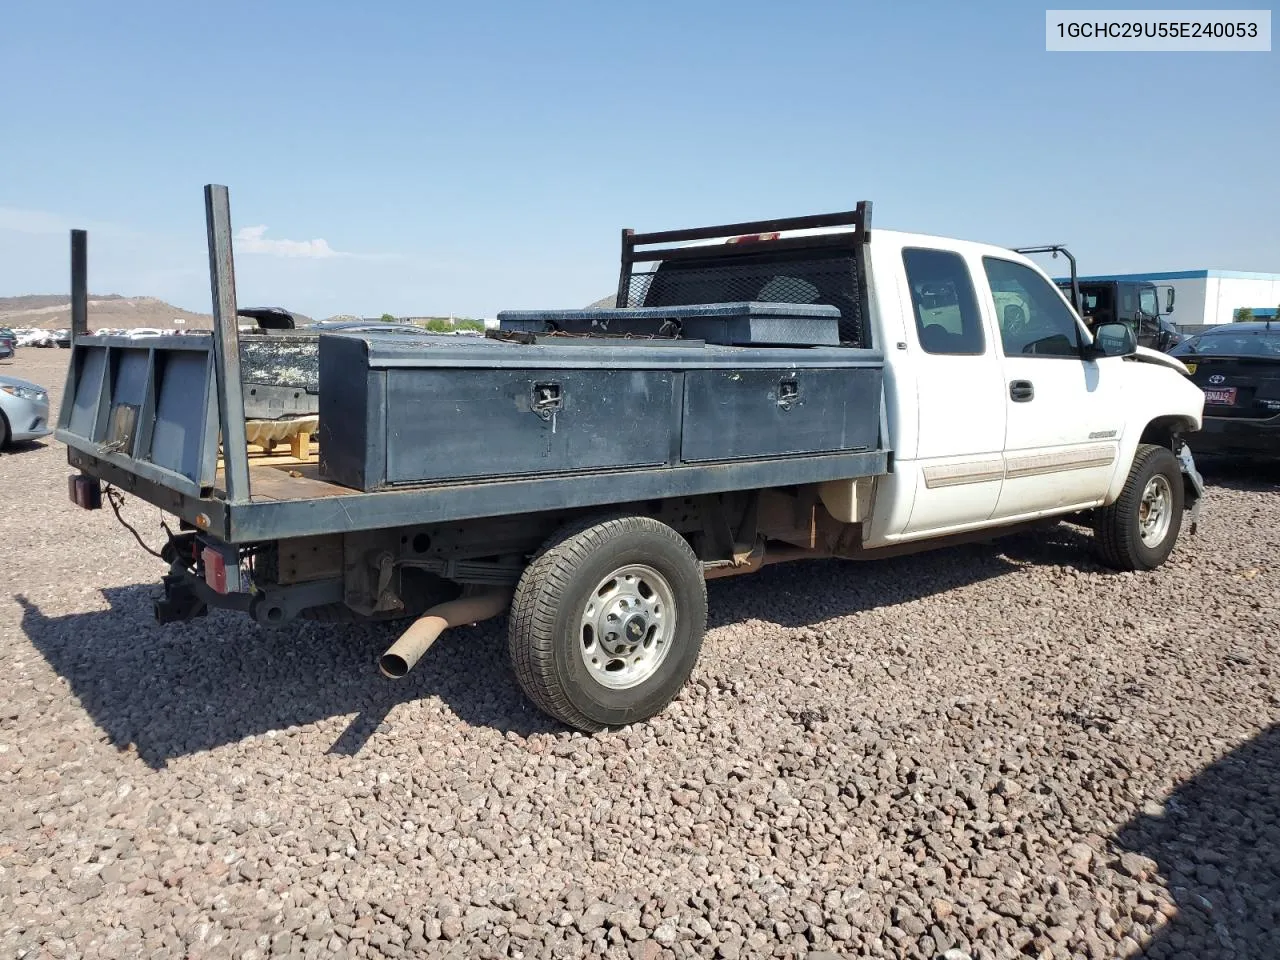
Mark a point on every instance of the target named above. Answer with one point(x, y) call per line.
point(953, 491)
point(1061, 445)
point(1064, 413)
point(959, 393)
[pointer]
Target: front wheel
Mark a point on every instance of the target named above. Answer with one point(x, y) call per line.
point(607, 622)
point(1138, 531)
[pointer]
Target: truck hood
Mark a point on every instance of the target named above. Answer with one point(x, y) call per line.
point(1147, 355)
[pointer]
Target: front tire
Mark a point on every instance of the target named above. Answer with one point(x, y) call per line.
point(607, 622)
point(1138, 531)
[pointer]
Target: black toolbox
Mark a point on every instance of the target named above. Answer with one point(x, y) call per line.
point(727, 324)
point(433, 409)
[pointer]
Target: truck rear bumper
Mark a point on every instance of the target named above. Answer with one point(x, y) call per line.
point(187, 596)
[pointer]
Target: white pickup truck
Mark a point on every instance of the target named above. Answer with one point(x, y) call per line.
point(763, 392)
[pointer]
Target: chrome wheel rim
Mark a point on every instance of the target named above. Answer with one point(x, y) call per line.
point(627, 626)
point(1155, 512)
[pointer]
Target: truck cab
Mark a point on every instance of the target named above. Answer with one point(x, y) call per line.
point(1000, 406)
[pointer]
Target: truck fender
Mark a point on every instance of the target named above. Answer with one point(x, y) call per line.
point(1166, 431)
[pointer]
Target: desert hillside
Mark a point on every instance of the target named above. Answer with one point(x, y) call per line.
point(53, 311)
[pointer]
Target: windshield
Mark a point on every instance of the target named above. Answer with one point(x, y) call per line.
point(1232, 343)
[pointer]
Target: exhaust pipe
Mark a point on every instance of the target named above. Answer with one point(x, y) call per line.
point(759, 556)
point(402, 655)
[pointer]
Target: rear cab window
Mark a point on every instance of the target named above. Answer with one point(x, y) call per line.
point(944, 302)
point(795, 276)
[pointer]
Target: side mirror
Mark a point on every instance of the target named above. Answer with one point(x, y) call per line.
point(1168, 301)
point(1114, 340)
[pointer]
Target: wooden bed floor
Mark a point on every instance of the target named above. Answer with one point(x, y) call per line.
point(290, 480)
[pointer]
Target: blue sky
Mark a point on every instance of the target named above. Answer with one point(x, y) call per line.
point(423, 158)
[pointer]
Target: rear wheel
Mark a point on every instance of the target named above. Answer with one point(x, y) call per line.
point(607, 622)
point(1138, 531)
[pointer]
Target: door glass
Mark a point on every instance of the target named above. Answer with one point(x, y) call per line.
point(1032, 317)
point(944, 302)
point(1147, 301)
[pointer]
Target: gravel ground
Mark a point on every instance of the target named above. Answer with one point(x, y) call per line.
point(993, 751)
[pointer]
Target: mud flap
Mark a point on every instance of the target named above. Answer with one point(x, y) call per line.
point(1193, 484)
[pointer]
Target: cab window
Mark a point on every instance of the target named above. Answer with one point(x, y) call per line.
point(1033, 319)
point(1147, 302)
point(944, 302)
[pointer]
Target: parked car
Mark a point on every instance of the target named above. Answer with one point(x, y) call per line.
point(24, 410)
point(62, 338)
point(1237, 365)
point(8, 343)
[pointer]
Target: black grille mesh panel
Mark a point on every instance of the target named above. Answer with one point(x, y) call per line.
point(827, 280)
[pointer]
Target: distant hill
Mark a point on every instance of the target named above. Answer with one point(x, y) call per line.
point(53, 311)
point(106, 312)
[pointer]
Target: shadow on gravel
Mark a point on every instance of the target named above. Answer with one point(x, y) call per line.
point(801, 593)
point(1248, 476)
point(184, 688)
point(23, 446)
point(1218, 845)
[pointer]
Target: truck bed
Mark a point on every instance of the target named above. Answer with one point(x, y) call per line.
point(295, 501)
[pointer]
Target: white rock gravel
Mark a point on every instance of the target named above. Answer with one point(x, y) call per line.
point(990, 752)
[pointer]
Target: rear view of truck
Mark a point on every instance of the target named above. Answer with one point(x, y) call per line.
point(587, 473)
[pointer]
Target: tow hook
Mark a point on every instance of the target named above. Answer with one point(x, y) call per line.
point(179, 602)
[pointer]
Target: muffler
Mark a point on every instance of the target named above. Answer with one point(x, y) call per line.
point(402, 655)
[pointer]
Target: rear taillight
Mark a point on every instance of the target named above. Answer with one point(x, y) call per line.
point(85, 492)
point(221, 568)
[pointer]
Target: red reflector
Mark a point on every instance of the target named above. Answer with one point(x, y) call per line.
point(753, 237)
point(221, 576)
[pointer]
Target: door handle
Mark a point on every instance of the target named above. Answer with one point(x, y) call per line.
point(1020, 391)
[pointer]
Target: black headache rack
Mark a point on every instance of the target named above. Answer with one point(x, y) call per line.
point(756, 264)
point(1055, 249)
point(163, 418)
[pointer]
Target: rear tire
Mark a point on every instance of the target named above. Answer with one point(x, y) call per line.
point(1139, 530)
point(4, 431)
point(607, 622)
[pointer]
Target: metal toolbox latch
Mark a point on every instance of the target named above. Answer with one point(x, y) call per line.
point(788, 392)
point(546, 399)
